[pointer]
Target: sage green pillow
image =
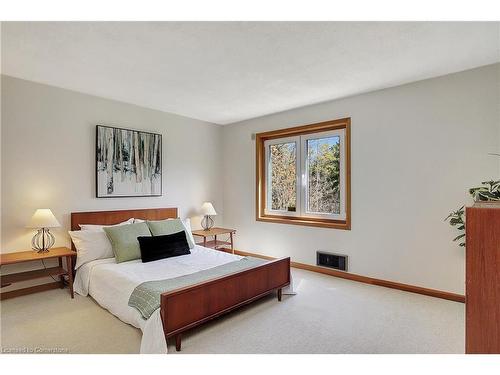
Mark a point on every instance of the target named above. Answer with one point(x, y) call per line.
point(170, 226)
point(124, 242)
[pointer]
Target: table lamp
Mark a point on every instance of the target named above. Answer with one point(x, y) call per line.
point(43, 219)
point(208, 210)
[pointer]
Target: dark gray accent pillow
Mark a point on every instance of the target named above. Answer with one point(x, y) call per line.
point(161, 247)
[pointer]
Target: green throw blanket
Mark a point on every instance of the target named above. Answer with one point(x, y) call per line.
point(146, 296)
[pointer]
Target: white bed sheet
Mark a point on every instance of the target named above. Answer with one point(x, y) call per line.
point(111, 284)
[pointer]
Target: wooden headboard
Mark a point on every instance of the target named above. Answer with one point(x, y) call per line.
point(115, 217)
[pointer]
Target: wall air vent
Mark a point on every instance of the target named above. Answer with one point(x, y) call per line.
point(335, 261)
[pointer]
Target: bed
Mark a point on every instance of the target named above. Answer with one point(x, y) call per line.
point(111, 283)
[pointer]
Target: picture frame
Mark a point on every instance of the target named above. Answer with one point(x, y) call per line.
point(128, 163)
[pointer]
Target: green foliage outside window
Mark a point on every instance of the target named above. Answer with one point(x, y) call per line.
point(323, 159)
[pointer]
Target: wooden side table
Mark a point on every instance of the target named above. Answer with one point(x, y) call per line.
point(215, 243)
point(29, 256)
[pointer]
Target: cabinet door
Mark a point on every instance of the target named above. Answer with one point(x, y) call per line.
point(483, 280)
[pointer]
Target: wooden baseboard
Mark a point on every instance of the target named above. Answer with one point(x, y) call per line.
point(368, 280)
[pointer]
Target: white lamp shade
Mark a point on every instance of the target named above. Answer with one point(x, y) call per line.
point(43, 218)
point(207, 208)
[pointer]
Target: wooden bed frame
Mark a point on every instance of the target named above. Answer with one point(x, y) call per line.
point(188, 307)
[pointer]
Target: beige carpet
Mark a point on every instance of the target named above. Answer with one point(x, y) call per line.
point(328, 315)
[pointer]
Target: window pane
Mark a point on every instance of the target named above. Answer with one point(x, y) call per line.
point(282, 162)
point(323, 174)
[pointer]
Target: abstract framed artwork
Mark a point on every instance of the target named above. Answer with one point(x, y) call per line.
point(128, 163)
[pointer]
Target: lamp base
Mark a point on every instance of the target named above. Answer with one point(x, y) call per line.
point(42, 241)
point(207, 222)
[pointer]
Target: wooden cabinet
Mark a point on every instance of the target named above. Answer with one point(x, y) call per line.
point(482, 332)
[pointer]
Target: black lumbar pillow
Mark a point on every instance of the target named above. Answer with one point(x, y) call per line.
point(166, 246)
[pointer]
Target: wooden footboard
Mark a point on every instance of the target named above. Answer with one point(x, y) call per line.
point(188, 307)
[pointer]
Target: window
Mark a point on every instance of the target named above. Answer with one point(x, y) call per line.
point(303, 175)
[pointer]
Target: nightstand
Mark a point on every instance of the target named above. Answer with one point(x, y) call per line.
point(215, 243)
point(29, 256)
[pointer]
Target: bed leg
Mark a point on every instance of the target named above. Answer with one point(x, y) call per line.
point(279, 294)
point(178, 342)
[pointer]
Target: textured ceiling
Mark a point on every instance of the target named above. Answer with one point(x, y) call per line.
point(225, 72)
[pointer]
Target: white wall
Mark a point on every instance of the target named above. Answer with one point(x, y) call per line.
point(415, 150)
point(48, 157)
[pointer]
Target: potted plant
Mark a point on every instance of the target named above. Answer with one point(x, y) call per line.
point(488, 192)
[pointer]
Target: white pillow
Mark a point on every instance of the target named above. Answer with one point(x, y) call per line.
point(90, 245)
point(185, 222)
point(187, 225)
point(93, 227)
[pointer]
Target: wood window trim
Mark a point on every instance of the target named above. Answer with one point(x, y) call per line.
point(260, 188)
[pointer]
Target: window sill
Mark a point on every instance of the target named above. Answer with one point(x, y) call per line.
point(306, 221)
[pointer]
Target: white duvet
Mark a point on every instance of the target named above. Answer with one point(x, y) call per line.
point(111, 284)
